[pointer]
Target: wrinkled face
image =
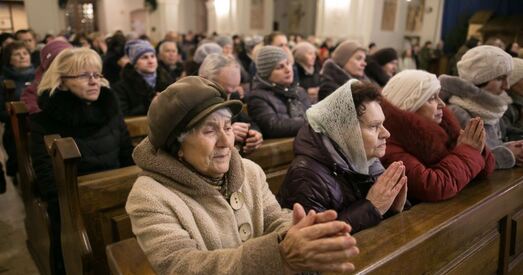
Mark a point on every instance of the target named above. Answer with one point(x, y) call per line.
point(432, 109)
point(28, 40)
point(20, 59)
point(229, 78)
point(169, 54)
point(208, 148)
point(373, 132)
point(391, 68)
point(310, 58)
point(85, 84)
point(280, 41)
point(497, 85)
point(282, 74)
point(356, 64)
point(147, 63)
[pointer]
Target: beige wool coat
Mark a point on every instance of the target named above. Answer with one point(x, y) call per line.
point(185, 226)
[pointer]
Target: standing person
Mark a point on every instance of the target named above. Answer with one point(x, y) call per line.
point(407, 61)
point(308, 69)
point(224, 70)
point(439, 160)
point(347, 62)
point(479, 91)
point(169, 59)
point(201, 209)
point(276, 102)
point(29, 39)
point(336, 164)
point(142, 79)
point(76, 102)
point(382, 65)
point(426, 56)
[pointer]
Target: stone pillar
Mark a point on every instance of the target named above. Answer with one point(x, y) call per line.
point(165, 18)
point(44, 16)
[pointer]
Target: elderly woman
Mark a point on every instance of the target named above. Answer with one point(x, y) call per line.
point(224, 70)
point(199, 208)
point(276, 103)
point(439, 160)
point(308, 70)
point(512, 120)
point(76, 102)
point(382, 65)
point(347, 62)
point(191, 67)
point(479, 91)
point(336, 164)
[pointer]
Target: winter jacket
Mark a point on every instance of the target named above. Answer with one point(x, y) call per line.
point(319, 178)
point(186, 226)
point(332, 76)
point(97, 128)
point(436, 168)
point(308, 80)
point(278, 111)
point(175, 73)
point(452, 86)
point(22, 79)
point(512, 121)
point(134, 94)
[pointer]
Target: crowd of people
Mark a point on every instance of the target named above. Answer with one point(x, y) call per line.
point(375, 133)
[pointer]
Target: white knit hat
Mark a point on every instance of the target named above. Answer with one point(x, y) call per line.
point(517, 73)
point(410, 89)
point(483, 63)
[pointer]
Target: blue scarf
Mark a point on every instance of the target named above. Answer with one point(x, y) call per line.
point(149, 78)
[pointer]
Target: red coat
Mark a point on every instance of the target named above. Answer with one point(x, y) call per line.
point(436, 168)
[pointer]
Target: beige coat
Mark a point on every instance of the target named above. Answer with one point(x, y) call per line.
point(185, 226)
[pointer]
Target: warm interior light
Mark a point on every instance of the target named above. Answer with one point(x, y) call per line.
point(337, 5)
point(222, 7)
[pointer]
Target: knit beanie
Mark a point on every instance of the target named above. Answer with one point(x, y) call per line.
point(223, 40)
point(385, 56)
point(51, 50)
point(204, 50)
point(483, 63)
point(345, 51)
point(410, 89)
point(517, 73)
point(267, 58)
point(135, 48)
point(300, 51)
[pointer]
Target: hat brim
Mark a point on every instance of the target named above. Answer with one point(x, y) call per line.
point(235, 106)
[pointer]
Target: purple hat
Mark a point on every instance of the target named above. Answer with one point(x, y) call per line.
point(51, 50)
point(136, 48)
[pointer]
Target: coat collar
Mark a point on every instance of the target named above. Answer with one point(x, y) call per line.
point(424, 139)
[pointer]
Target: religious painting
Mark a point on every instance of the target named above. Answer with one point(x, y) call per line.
point(257, 14)
point(415, 10)
point(388, 16)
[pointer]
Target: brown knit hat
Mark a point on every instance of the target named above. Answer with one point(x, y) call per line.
point(345, 51)
point(182, 105)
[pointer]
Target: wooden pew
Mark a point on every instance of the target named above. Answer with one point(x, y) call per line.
point(36, 220)
point(478, 232)
point(138, 128)
point(127, 258)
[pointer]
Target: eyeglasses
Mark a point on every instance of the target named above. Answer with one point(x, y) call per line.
point(85, 76)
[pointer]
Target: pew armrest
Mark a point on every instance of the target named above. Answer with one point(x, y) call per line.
point(126, 257)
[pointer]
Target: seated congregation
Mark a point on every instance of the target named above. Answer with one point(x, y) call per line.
point(273, 161)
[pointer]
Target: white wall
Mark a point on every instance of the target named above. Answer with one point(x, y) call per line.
point(44, 16)
point(393, 38)
point(238, 20)
point(115, 15)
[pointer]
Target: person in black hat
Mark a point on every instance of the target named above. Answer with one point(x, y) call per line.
point(199, 208)
point(382, 65)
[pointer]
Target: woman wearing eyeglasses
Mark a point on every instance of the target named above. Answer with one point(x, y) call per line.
point(76, 102)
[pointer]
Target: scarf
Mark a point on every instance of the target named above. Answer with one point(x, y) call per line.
point(150, 78)
point(490, 113)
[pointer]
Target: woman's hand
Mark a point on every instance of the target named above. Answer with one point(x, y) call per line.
point(253, 141)
point(401, 198)
point(317, 242)
point(241, 131)
point(383, 193)
point(474, 134)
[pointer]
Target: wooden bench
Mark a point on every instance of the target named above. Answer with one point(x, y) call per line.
point(138, 128)
point(36, 221)
point(478, 232)
point(92, 206)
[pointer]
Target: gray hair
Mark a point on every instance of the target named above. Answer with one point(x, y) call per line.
point(165, 43)
point(213, 63)
point(222, 112)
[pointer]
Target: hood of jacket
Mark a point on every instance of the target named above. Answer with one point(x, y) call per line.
point(426, 140)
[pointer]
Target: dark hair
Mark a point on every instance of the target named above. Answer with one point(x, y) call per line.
point(24, 31)
point(363, 92)
point(6, 35)
point(267, 40)
point(9, 49)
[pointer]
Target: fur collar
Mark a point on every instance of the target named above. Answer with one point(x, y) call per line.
point(424, 139)
point(333, 72)
point(68, 110)
point(455, 86)
point(168, 170)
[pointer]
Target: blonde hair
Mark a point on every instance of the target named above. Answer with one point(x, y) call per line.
point(70, 62)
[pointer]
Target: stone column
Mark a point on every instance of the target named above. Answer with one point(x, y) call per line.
point(44, 16)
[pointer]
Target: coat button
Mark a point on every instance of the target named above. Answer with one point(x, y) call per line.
point(245, 231)
point(237, 200)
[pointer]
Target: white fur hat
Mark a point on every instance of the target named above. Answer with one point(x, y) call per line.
point(484, 63)
point(517, 73)
point(410, 89)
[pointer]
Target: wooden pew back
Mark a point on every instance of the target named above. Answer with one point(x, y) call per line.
point(36, 220)
point(138, 128)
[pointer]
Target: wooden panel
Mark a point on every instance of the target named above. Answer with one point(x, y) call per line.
point(516, 246)
point(137, 126)
point(275, 179)
point(127, 258)
point(481, 258)
point(273, 153)
point(516, 266)
point(122, 228)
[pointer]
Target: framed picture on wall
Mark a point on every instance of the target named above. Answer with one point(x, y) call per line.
point(257, 13)
point(388, 16)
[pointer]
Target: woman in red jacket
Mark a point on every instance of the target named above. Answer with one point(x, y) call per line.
point(440, 159)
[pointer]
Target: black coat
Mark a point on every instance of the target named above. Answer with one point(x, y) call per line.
point(279, 112)
point(97, 128)
point(308, 80)
point(175, 73)
point(332, 77)
point(319, 181)
point(134, 94)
